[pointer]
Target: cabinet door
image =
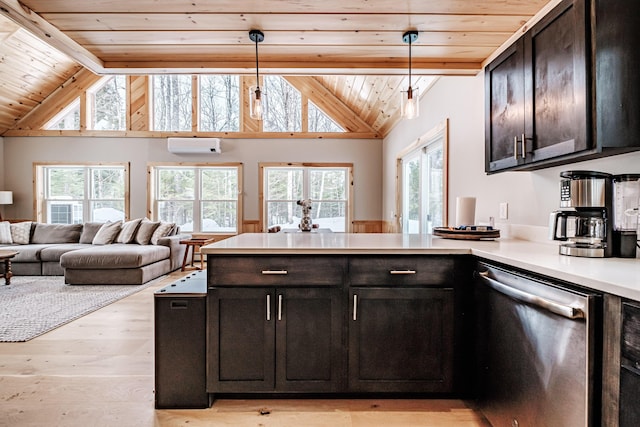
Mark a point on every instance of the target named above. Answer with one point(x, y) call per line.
point(505, 109)
point(309, 340)
point(557, 89)
point(401, 340)
point(241, 340)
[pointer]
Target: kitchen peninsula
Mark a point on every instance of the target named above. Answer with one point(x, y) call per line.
point(335, 313)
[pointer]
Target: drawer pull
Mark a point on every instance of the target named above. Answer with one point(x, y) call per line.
point(268, 307)
point(280, 307)
point(401, 272)
point(275, 272)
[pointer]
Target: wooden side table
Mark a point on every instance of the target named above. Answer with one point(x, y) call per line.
point(5, 257)
point(194, 245)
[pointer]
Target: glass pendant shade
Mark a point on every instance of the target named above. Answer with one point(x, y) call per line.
point(256, 106)
point(409, 106)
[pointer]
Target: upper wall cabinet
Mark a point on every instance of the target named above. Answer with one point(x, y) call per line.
point(537, 93)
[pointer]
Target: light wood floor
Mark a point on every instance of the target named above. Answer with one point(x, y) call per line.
point(98, 371)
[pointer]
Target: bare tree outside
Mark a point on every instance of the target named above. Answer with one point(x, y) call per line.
point(320, 122)
point(219, 101)
point(172, 102)
point(283, 106)
point(110, 105)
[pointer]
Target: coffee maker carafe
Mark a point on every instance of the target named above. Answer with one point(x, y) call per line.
point(626, 200)
point(583, 221)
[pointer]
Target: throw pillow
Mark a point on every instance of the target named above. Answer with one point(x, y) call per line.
point(21, 232)
point(163, 230)
point(89, 231)
point(107, 233)
point(5, 233)
point(128, 231)
point(145, 231)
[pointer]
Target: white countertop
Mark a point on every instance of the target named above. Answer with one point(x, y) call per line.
point(618, 276)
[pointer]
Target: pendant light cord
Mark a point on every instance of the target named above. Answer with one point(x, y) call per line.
point(257, 69)
point(409, 62)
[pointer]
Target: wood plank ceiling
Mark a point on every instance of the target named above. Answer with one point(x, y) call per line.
point(352, 47)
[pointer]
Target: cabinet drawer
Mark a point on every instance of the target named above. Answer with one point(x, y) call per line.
point(401, 270)
point(299, 270)
point(631, 332)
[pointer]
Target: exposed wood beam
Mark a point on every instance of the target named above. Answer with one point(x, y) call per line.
point(42, 29)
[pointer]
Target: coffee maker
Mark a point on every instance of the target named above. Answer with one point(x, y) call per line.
point(584, 220)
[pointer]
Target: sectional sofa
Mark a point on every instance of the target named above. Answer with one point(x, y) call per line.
point(131, 252)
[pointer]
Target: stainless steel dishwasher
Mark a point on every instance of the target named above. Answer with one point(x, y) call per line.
point(538, 360)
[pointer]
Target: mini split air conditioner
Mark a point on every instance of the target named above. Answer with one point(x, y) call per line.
point(194, 145)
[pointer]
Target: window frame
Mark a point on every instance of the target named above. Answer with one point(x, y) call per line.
point(152, 189)
point(306, 187)
point(438, 134)
point(41, 190)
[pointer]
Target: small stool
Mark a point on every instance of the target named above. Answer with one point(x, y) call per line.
point(194, 244)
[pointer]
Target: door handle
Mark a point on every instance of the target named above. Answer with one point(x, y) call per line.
point(554, 307)
point(280, 307)
point(268, 307)
point(355, 307)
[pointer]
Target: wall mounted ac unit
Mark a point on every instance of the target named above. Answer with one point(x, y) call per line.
point(194, 145)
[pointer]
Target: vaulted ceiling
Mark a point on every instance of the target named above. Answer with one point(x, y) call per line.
point(352, 47)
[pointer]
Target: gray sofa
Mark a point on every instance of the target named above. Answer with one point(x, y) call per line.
point(75, 251)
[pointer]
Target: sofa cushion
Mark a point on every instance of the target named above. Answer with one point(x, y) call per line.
point(128, 231)
point(52, 253)
point(21, 233)
point(145, 231)
point(89, 231)
point(163, 230)
point(107, 233)
point(27, 253)
point(114, 256)
point(5, 233)
point(56, 233)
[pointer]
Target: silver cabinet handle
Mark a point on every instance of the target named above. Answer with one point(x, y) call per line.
point(554, 307)
point(355, 307)
point(515, 147)
point(524, 147)
point(274, 272)
point(268, 307)
point(401, 272)
point(280, 307)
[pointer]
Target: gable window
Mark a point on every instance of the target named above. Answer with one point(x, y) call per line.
point(219, 103)
point(109, 104)
point(319, 121)
point(172, 103)
point(423, 183)
point(67, 119)
point(198, 198)
point(73, 194)
point(328, 187)
point(283, 106)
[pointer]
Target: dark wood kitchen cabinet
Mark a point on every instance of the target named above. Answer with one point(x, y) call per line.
point(629, 409)
point(537, 93)
point(405, 323)
point(275, 339)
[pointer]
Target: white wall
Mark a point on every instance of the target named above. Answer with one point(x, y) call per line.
point(531, 195)
point(21, 152)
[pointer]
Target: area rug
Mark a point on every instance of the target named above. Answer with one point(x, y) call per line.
point(33, 305)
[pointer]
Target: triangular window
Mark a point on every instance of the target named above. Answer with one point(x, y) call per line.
point(319, 121)
point(67, 119)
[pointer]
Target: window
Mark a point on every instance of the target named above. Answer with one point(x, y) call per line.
point(198, 198)
point(109, 104)
point(219, 103)
point(72, 194)
point(423, 178)
point(328, 187)
point(320, 122)
point(283, 106)
point(67, 119)
point(172, 103)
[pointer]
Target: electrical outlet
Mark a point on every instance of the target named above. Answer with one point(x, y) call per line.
point(504, 210)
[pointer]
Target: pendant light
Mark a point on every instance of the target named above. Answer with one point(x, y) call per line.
point(256, 97)
point(409, 106)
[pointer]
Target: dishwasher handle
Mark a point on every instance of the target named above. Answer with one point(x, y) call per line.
point(554, 307)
